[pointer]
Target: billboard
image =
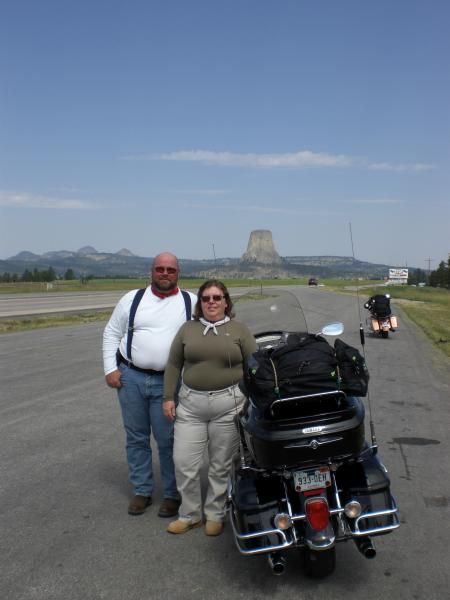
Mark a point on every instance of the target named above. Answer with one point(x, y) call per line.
point(398, 275)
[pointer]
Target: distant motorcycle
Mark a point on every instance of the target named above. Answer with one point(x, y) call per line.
point(381, 320)
point(304, 477)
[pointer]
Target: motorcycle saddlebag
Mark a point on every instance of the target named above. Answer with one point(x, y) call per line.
point(255, 501)
point(375, 325)
point(366, 481)
point(253, 494)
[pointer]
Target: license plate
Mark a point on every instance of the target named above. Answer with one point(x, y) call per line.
point(312, 479)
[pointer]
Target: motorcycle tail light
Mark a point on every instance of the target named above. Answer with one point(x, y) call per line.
point(353, 509)
point(282, 521)
point(317, 513)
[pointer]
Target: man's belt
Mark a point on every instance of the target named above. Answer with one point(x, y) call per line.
point(121, 359)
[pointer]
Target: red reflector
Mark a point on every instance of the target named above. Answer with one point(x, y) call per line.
point(313, 492)
point(317, 513)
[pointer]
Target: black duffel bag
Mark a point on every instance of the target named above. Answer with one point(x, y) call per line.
point(353, 372)
point(304, 365)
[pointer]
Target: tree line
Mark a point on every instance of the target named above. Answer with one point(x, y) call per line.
point(440, 277)
point(45, 275)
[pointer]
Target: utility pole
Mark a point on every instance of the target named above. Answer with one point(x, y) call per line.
point(214, 254)
point(429, 260)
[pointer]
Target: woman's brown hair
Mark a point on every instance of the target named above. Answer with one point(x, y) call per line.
point(218, 284)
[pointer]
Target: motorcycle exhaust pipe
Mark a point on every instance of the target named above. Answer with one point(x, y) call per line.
point(366, 547)
point(277, 563)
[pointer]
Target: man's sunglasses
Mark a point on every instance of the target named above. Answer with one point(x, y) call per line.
point(214, 297)
point(168, 270)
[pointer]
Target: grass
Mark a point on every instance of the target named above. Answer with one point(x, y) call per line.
point(93, 285)
point(14, 325)
point(109, 285)
point(435, 322)
point(106, 285)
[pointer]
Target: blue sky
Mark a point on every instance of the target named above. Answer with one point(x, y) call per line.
point(185, 124)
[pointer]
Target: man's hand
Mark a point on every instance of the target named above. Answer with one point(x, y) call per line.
point(169, 409)
point(113, 379)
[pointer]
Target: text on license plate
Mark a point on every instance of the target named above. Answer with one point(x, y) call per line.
point(312, 479)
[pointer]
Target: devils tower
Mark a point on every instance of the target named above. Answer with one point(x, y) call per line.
point(261, 250)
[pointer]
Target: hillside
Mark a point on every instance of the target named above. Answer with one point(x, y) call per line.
point(88, 261)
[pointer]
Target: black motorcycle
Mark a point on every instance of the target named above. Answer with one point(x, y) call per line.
point(304, 477)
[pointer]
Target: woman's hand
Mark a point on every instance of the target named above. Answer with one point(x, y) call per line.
point(169, 409)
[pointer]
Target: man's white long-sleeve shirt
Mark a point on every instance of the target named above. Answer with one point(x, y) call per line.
point(156, 323)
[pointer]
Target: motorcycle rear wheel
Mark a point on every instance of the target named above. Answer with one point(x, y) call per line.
point(385, 334)
point(319, 564)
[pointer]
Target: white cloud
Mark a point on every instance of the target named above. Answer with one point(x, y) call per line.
point(295, 160)
point(25, 200)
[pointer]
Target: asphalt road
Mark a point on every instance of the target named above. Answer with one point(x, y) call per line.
point(21, 305)
point(65, 532)
point(51, 303)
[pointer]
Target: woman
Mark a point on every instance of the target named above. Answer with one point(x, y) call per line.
point(209, 353)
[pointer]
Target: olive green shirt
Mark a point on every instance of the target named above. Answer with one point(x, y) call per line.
point(208, 362)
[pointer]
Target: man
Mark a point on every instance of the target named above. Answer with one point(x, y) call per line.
point(134, 362)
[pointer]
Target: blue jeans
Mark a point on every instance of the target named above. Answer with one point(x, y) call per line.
point(140, 399)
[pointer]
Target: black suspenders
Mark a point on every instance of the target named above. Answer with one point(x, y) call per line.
point(137, 298)
point(187, 304)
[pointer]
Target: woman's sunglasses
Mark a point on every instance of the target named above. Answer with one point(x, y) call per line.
point(213, 297)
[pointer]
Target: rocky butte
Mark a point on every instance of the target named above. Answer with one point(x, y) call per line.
point(260, 249)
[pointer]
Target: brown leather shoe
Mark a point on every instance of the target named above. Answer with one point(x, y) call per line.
point(169, 507)
point(213, 528)
point(138, 504)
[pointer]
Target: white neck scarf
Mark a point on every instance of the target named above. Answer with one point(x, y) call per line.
point(208, 325)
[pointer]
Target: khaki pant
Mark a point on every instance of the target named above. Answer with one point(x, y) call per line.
point(205, 420)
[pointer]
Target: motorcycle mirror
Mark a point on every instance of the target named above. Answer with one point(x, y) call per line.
point(332, 329)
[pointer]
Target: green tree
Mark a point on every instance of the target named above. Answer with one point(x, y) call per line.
point(27, 276)
point(49, 274)
point(416, 276)
point(69, 275)
point(440, 277)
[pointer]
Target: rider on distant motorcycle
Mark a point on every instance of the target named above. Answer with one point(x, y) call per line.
point(379, 305)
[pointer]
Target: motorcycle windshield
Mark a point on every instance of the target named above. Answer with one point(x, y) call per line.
point(270, 309)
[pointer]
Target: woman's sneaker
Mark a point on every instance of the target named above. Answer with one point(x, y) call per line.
point(213, 528)
point(182, 526)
